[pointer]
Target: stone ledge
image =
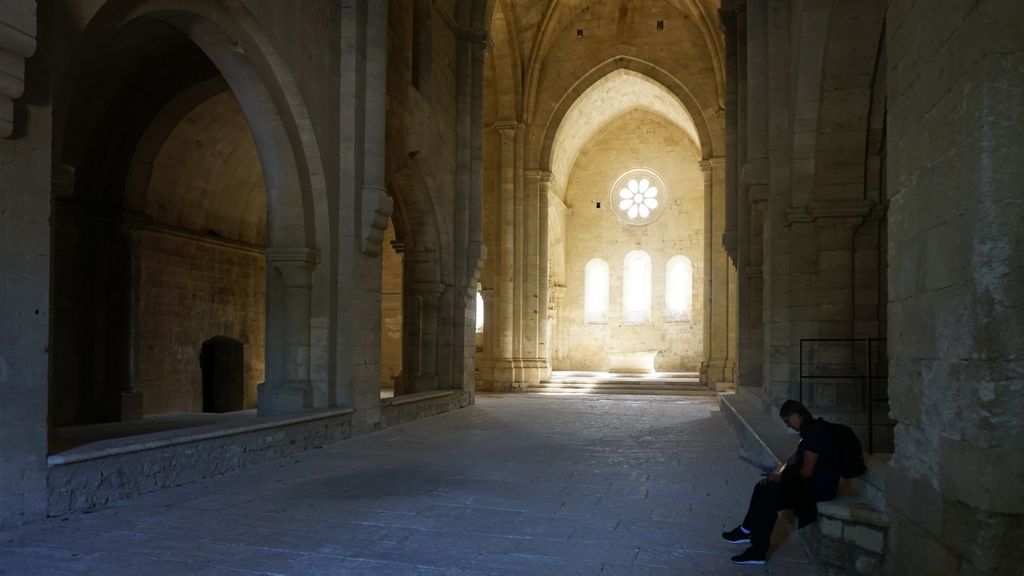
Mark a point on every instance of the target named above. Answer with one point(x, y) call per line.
point(417, 397)
point(852, 508)
point(101, 473)
point(152, 441)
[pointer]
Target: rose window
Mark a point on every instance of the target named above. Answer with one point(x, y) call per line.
point(638, 197)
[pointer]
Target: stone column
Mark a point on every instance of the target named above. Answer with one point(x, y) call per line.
point(428, 295)
point(530, 323)
point(556, 350)
point(835, 226)
point(719, 309)
point(289, 286)
point(729, 237)
point(123, 401)
point(543, 324)
point(376, 204)
point(504, 370)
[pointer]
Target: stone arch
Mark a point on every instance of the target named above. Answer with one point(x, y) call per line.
point(411, 187)
point(427, 271)
point(505, 59)
point(228, 37)
point(847, 80)
point(643, 68)
point(154, 136)
point(708, 24)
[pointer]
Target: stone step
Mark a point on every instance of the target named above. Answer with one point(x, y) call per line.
point(623, 384)
point(637, 391)
point(629, 379)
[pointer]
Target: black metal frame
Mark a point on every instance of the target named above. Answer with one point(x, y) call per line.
point(867, 380)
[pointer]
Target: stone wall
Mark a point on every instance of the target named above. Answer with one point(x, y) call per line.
point(84, 479)
point(637, 139)
point(956, 286)
point(192, 290)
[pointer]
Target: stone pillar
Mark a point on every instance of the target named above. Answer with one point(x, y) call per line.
point(428, 294)
point(729, 236)
point(530, 287)
point(718, 306)
point(835, 226)
point(754, 181)
point(520, 296)
point(556, 349)
point(122, 400)
point(504, 327)
point(289, 286)
point(543, 264)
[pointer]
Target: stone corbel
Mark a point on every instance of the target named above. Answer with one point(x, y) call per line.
point(855, 209)
point(730, 241)
point(17, 43)
point(376, 209)
point(477, 257)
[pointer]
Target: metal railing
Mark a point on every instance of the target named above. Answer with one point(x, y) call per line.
point(859, 364)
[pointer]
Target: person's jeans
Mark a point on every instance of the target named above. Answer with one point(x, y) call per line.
point(765, 503)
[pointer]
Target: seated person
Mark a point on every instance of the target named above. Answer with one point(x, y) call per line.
point(809, 476)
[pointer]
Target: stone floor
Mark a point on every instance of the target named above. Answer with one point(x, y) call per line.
point(517, 485)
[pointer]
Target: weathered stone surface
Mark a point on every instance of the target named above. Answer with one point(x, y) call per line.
point(830, 528)
point(865, 537)
point(82, 481)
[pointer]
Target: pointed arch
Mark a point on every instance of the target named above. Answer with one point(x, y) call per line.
point(427, 241)
point(650, 72)
point(556, 12)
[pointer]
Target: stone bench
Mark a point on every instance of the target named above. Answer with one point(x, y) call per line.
point(852, 531)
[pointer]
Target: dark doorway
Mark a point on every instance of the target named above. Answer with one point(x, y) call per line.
point(223, 385)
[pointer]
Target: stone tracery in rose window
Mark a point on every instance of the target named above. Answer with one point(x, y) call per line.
point(638, 197)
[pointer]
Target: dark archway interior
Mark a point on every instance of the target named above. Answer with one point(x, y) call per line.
point(159, 246)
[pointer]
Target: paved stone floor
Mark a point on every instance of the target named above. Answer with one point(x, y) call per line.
point(516, 485)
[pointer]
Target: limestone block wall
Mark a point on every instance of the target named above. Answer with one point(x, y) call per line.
point(956, 286)
point(636, 139)
point(24, 288)
point(190, 291)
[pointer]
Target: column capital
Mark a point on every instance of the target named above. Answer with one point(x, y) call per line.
point(506, 126)
point(285, 254)
point(712, 163)
point(429, 289)
point(542, 176)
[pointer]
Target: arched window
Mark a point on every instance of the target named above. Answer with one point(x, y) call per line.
point(636, 288)
point(679, 289)
point(479, 312)
point(596, 292)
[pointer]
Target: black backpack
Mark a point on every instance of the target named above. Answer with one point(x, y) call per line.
point(851, 456)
